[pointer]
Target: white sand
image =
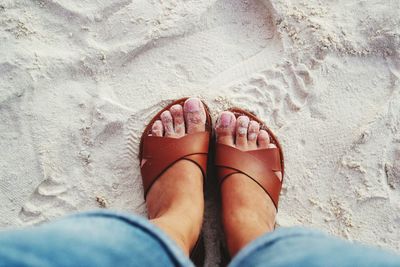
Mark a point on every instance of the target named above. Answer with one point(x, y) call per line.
point(79, 80)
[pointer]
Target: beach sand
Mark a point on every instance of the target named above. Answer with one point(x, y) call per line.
point(80, 79)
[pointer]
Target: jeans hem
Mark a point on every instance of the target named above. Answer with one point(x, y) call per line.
point(170, 247)
point(269, 239)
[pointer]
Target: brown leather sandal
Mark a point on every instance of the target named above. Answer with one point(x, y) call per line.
point(162, 152)
point(259, 165)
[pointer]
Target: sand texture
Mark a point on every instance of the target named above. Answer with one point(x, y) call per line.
point(80, 79)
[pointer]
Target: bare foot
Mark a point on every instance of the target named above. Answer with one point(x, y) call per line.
point(175, 202)
point(247, 211)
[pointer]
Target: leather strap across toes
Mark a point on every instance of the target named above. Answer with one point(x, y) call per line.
point(259, 165)
point(161, 153)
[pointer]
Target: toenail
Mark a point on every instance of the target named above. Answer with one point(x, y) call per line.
point(192, 105)
point(195, 120)
point(225, 120)
point(242, 130)
point(166, 115)
point(252, 136)
point(243, 123)
point(176, 109)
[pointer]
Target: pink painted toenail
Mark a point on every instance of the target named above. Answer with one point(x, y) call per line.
point(242, 131)
point(176, 108)
point(243, 123)
point(252, 136)
point(225, 119)
point(193, 105)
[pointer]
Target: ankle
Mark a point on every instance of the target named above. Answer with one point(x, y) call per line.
point(182, 229)
point(177, 236)
point(244, 226)
point(247, 212)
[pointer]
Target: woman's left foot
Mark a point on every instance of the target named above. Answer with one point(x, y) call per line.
point(247, 211)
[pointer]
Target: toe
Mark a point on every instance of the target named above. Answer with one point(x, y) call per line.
point(225, 128)
point(279, 174)
point(263, 139)
point(242, 124)
point(254, 130)
point(157, 128)
point(167, 122)
point(195, 115)
point(179, 123)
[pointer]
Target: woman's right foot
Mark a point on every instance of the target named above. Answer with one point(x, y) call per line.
point(247, 211)
point(175, 202)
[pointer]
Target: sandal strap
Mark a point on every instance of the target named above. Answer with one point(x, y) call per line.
point(162, 152)
point(258, 165)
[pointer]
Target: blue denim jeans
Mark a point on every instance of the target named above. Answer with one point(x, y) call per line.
point(104, 238)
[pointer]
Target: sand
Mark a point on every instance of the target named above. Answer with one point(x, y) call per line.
point(80, 79)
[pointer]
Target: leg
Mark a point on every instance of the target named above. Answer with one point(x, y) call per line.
point(175, 202)
point(247, 211)
point(91, 239)
point(302, 247)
